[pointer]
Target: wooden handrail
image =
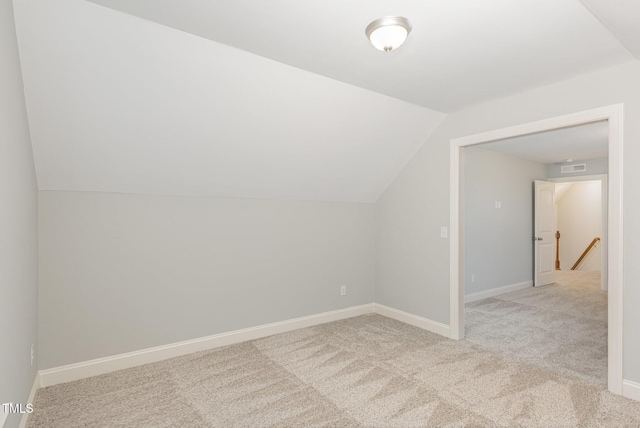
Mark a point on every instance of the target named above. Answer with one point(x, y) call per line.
point(575, 265)
point(557, 250)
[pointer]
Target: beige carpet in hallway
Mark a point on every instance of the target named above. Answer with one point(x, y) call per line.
point(366, 371)
point(561, 327)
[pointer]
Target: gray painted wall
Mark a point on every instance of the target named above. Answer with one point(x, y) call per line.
point(121, 273)
point(413, 263)
point(594, 167)
point(18, 227)
point(498, 246)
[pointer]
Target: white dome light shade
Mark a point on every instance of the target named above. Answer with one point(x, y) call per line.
point(387, 34)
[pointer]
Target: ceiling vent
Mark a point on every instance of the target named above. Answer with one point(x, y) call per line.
point(579, 167)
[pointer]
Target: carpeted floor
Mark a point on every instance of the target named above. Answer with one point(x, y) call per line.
point(561, 327)
point(365, 371)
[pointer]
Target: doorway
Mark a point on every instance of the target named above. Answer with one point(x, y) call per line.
point(569, 256)
point(614, 116)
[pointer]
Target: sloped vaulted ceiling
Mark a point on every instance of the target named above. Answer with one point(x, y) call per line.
point(119, 104)
point(278, 99)
point(460, 52)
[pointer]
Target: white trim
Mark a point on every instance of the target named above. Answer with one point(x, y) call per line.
point(497, 291)
point(100, 366)
point(614, 115)
point(414, 320)
point(456, 251)
point(616, 250)
point(631, 389)
point(24, 421)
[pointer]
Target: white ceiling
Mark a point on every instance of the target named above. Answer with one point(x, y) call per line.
point(279, 99)
point(582, 142)
point(460, 52)
point(118, 104)
point(622, 18)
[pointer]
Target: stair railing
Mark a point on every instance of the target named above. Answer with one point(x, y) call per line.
point(584, 254)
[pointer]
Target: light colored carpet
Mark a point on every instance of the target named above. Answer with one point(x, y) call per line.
point(365, 371)
point(560, 327)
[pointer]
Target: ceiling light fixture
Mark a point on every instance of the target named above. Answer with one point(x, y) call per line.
point(387, 34)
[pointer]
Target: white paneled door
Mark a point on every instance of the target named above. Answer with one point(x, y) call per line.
point(543, 239)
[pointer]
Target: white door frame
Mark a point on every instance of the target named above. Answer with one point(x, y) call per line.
point(614, 115)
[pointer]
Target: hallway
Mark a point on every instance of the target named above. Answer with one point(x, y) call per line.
point(561, 327)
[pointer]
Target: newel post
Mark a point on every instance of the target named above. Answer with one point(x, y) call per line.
point(557, 250)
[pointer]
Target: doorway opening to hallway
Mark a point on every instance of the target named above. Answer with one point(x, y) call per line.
point(493, 255)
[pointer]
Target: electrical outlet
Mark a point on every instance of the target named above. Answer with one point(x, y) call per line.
point(33, 355)
point(343, 290)
point(473, 277)
point(498, 204)
point(444, 232)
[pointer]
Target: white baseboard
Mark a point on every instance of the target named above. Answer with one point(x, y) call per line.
point(415, 320)
point(32, 396)
point(631, 389)
point(104, 365)
point(100, 366)
point(497, 291)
